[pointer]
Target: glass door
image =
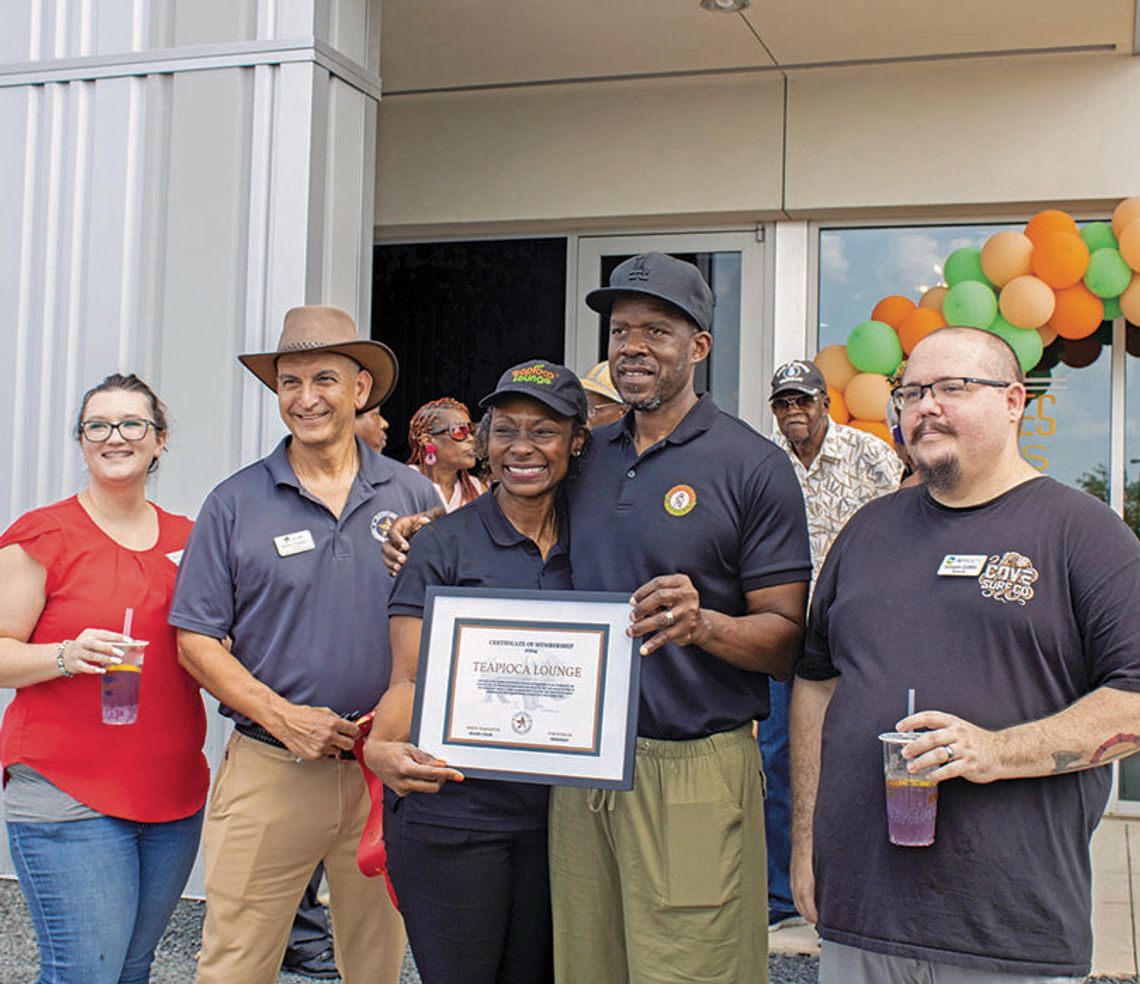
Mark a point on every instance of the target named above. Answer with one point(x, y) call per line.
point(733, 263)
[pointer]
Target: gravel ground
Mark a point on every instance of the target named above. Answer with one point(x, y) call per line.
point(174, 962)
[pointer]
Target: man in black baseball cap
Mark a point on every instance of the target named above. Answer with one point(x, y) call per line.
point(701, 521)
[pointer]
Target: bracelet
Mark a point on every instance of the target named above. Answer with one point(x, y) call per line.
point(59, 659)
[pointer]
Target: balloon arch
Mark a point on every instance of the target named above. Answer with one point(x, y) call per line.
point(1045, 290)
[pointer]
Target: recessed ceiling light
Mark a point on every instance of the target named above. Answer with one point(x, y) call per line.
point(725, 6)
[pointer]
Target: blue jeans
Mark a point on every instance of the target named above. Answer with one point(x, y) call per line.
point(100, 892)
point(773, 738)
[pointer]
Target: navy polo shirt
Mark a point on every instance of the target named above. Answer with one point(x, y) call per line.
point(477, 547)
point(713, 500)
point(308, 615)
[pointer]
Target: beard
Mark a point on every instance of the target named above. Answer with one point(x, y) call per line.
point(668, 386)
point(942, 475)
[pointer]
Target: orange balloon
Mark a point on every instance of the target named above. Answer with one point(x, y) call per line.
point(876, 427)
point(1060, 259)
point(1124, 214)
point(1026, 302)
point(837, 406)
point(1006, 255)
point(1050, 220)
point(933, 298)
point(1077, 313)
point(1129, 244)
point(892, 310)
point(1130, 300)
point(917, 325)
point(867, 395)
point(1048, 335)
point(835, 366)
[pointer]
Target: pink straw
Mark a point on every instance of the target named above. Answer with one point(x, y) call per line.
point(129, 615)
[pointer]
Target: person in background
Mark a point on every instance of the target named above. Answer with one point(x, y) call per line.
point(103, 820)
point(910, 475)
point(442, 439)
point(606, 404)
point(840, 469)
point(468, 859)
point(285, 561)
point(372, 429)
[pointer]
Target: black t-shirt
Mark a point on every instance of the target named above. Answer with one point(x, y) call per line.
point(713, 500)
point(1052, 614)
point(477, 547)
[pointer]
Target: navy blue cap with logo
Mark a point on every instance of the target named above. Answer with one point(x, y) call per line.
point(798, 376)
point(553, 385)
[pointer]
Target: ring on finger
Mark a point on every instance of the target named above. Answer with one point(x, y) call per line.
point(949, 752)
point(669, 617)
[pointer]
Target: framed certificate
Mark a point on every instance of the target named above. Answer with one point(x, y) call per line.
point(538, 686)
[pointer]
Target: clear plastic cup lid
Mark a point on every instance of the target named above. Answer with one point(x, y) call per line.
point(898, 737)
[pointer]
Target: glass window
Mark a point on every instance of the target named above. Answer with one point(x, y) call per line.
point(1066, 429)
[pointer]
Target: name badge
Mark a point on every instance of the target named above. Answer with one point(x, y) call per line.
point(294, 543)
point(962, 565)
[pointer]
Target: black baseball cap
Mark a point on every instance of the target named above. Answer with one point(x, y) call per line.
point(549, 383)
point(663, 277)
point(798, 376)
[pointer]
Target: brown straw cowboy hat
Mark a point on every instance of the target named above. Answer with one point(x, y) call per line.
point(327, 329)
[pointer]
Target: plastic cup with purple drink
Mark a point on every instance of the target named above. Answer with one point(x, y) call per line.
point(122, 682)
point(912, 797)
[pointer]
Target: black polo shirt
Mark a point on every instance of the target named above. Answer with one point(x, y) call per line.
point(713, 500)
point(477, 547)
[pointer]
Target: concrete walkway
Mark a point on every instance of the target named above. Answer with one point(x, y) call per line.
point(1116, 905)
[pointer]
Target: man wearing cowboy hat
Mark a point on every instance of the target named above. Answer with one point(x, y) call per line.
point(284, 561)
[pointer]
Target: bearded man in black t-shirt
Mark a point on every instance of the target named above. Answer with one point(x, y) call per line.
point(1015, 611)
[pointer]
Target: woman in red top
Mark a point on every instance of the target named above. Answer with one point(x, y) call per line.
point(103, 819)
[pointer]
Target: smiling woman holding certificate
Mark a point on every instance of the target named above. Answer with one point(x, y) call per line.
point(468, 858)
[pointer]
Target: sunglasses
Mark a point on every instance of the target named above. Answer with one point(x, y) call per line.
point(457, 432)
point(784, 404)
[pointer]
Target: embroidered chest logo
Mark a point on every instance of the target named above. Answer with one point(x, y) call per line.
point(1008, 577)
point(680, 500)
point(381, 524)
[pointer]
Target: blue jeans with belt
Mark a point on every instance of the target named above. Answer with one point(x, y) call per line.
point(101, 892)
point(773, 737)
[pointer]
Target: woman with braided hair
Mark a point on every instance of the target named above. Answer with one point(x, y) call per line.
point(442, 439)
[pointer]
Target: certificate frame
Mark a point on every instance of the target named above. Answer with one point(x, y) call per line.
point(532, 686)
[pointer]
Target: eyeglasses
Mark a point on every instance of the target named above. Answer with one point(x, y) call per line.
point(945, 390)
point(784, 404)
point(457, 432)
point(131, 429)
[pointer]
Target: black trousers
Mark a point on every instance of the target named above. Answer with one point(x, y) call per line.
point(476, 903)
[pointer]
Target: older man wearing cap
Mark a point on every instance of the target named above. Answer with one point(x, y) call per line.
point(701, 520)
point(840, 469)
point(282, 551)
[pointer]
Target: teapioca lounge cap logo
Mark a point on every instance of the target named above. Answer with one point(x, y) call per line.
point(549, 383)
point(680, 500)
point(1008, 577)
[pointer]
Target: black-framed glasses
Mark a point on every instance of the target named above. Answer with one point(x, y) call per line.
point(945, 390)
point(131, 429)
point(457, 431)
point(784, 404)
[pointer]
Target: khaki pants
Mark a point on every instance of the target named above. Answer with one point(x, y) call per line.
point(270, 820)
point(666, 883)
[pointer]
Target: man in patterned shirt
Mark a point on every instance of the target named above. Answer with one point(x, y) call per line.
point(840, 469)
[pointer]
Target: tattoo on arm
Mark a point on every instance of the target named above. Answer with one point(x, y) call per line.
point(1116, 747)
point(1065, 762)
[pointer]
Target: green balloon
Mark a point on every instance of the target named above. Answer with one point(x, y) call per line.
point(1025, 342)
point(1112, 308)
point(874, 346)
point(969, 303)
point(1108, 275)
point(964, 264)
point(1098, 235)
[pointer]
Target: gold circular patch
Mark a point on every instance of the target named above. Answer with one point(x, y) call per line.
point(679, 500)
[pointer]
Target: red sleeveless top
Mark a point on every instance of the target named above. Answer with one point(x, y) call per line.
point(153, 770)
